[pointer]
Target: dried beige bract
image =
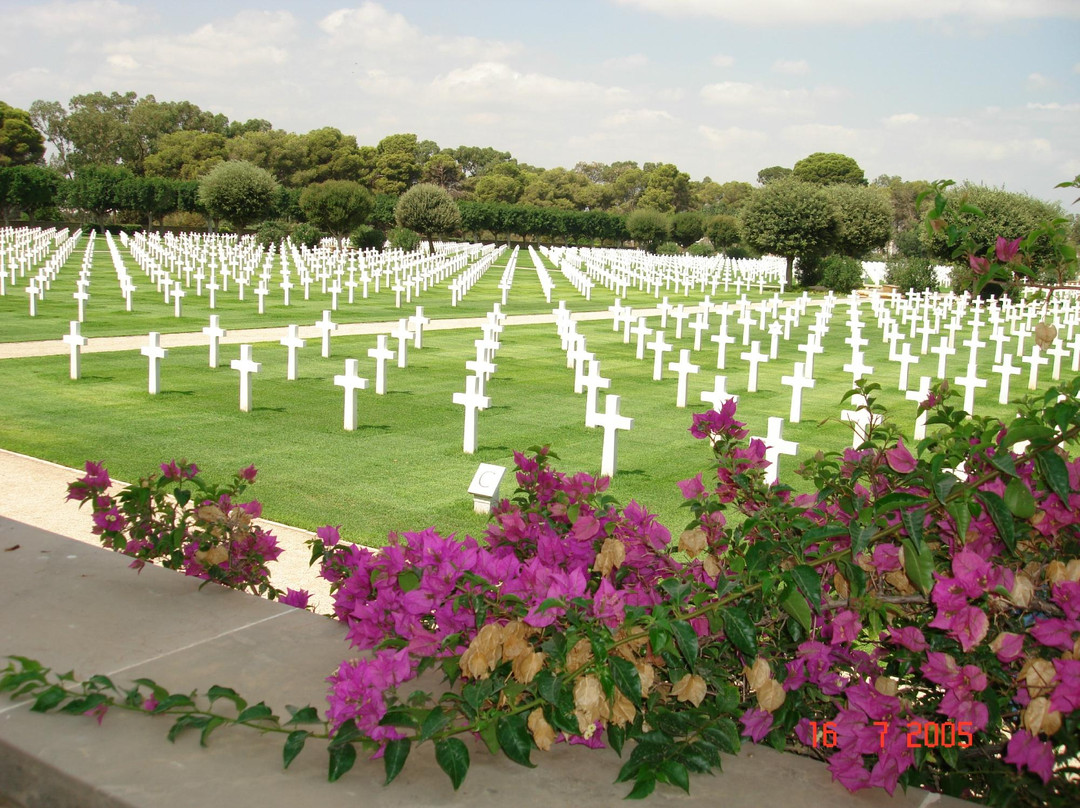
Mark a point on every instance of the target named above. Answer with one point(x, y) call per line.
point(710, 565)
point(580, 655)
point(771, 695)
point(590, 705)
point(1072, 570)
point(757, 674)
point(1038, 717)
point(900, 582)
point(611, 556)
point(514, 647)
point(691, 689)
point(474, 665)
point(1039, 676)
point(542, 732)
point(886, 686)
point(623, 711)
point(210, 513)
point(526, 666)
point(1045, 334)
point(646, 674)
point(212, 557)
point(1022, 591)
point(1056, 572)
point(692, 542)
point(841, 585)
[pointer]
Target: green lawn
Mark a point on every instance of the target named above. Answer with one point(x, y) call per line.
point(404, 468)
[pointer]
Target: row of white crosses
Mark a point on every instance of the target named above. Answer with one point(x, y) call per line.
point(475, 398)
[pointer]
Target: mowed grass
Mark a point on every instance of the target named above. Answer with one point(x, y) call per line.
point(403, 468)
point(106, 315)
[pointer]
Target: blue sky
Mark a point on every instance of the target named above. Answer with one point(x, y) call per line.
point(983, 90)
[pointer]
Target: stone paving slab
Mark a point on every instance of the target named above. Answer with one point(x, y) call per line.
point(72, 606)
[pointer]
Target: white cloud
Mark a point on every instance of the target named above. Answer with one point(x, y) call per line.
point(760, 99)
point(792, 68)
point(1055, 107)
point(815, 137)
point(631, 62)
point(122, 61)
point(856, 12)
point(372, 28)
point(722, 60)
point(731, 137)
point(1037, 81)
point(639, 118)
point(1076, 68)
point(901, 119)
point(500, 83)
point(63, 19)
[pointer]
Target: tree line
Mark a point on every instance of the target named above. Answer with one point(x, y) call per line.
point(122, 158)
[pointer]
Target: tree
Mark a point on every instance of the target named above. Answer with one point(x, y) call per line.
point(26, 188)
point(772, 174)
point(185, 155)
point(687, 227)
point(337, 206)
point(328, 155)
point(497, 188)
point(648, 227)
point(396, 164)
point(666, 189)
point(828, 168)
point(442, 170)
point(95, 126)
point(20, 143)
point(279, 152)
point(239, 192)
point(789, 218)
point(723, 232)
point(864, 219)
point(154, 197)
point(429, 210)
point(95, 189)
point(477, 160)
point(50, 118)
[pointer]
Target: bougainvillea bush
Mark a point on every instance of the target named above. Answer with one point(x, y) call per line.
point(915, 622)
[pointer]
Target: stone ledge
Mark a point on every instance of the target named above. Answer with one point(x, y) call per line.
point(75, 607)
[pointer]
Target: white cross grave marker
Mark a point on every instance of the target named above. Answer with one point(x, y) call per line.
point(247, 367)
point(381, 354)
point(155, 353)
point(215, 332)
point(684, 367)
point(77, 341)
point(294, 344)
point(473, 402)
point(352, 382)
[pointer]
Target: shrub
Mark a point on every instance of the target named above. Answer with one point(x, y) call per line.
point(307, 234)
point(271, 233)
point(701, 248)
point(841, 274)
point(668, 248)
point(808, 270)
point(911, 273)
point(368, 238)
point(403, 238)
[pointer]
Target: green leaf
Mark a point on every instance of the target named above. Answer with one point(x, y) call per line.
point(1056, 474)
point(1026, 431)
point(740, 629)
point(658, 638)
point(453, 758)
point(185, 722)
point(342, 759)
point(305, 715)
point(49, 699)
point(515, 739)
point(1003, 461)
point(919, 566)
point(913, 523)
point(626, 678)
point(1019, 500)
point(616, 737)
point(433, 722)
point(1001, 517)
point(294, 745)
point(822, 532)
point(489, 736)
point(675, 773)
point(860, 537)
point(256, 712)
point(644, 785)
point(897, 499)
point(809, 582)
point(169, 702)
point(960, 513)
point(944, 484)
point(216, 692)
point(397, 752)
point(686, 639)
point(724, 734)
point(211, 725)
point(794, 603)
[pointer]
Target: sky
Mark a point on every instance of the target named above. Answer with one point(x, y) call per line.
point(981, 90)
